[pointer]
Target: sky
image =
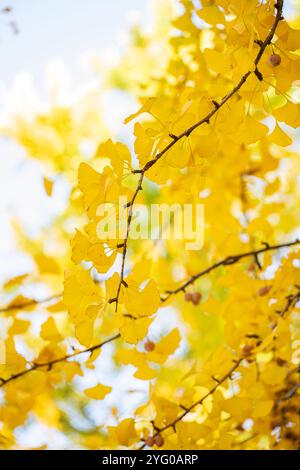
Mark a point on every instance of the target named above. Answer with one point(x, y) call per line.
point(38, 35)
point(64, 29)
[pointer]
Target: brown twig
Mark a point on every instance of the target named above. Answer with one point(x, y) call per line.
point(288, 394)
point(129, 219)
point(229, 260)
point(188, 410)
point(292, 300)
point(29, 303)
point(217, 105)
point(48, 365)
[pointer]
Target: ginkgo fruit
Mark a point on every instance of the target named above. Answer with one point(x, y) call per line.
point(264, 290)
point(275, 60)
point(193, 297)
point(159, 440)
point(150, 441)
point(149, 346)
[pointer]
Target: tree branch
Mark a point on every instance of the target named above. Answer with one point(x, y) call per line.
point(217, 105)
point(292, 300)
point(48, 365)
point(124, 253)
point(199, 402)
point(229, 260)
point(29, 303)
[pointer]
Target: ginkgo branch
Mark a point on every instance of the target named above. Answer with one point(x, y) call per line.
point(189, 409)
point(229, 260)
point(124, 252)
point(49, 364)
point(291, 302)
point(29, 303)
point(217, 105)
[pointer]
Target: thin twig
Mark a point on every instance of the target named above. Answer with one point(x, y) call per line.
point(129, 219)
point(229, 260)
point(199, 402)
point(29, 303)
point(217, 105)
point(291, 301)
point(219, 382)
point(48, 365)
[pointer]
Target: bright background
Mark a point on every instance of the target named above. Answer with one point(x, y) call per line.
point(54, 38)
point(57, 38)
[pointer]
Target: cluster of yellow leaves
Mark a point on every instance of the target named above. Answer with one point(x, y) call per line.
point(233, 384)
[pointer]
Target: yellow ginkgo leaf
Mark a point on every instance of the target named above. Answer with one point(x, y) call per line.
point(165, 347)
point(145, 372)
point(46, 264)
point(134, 330)
point(143, 144)
point(19, 327)
point(138, 360)
point(20, 302)
point(144, 302)
point(80, 245)
point(262, 408)
point(217, 61)
point(48, 185)
point(279, 137)
point(89, 183)
point(273, 374)
point(80, 292)
point(179, 155)
point(15, 281)
point(144, 109)
point(118, 154)
point(49, 331)
point(211, 15)
point(56, 307)
point(98, 392)
point(272, 187)
point(289, 113)
point(251, 131)
point(84, 330)
point(125, 432)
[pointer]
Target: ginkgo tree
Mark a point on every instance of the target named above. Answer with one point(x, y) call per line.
point(216, 126)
